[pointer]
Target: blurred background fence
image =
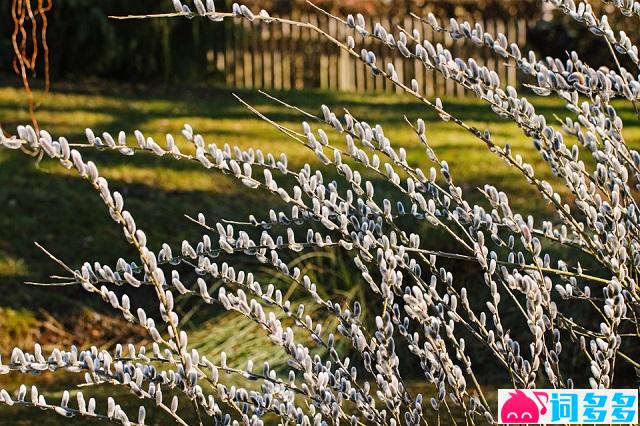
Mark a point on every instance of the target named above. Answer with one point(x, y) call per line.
point(289, 57)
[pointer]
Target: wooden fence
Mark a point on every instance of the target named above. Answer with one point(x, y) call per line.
point(276, 56)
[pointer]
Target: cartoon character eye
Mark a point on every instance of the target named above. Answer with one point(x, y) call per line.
point(512, 415)
point(525, 415)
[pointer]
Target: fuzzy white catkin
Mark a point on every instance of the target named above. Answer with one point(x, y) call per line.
point(200, 7)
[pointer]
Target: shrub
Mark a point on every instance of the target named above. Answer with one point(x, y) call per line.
point(533, 306)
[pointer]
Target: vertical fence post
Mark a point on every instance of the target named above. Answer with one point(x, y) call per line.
point(345, 81)
point(275, 56)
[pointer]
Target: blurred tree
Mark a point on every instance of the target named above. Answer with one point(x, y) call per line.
point(84, 42)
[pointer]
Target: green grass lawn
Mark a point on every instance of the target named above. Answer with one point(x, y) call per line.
point(51, 205)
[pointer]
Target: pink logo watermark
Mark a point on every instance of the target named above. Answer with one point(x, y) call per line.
point(568, 406)
point(519, 408)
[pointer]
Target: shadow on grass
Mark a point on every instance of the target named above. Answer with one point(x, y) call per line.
point(128, 112)
point(65, 215)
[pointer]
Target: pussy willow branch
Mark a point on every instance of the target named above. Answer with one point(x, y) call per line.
point(493, 148)
point(405, 166)
point(474, 131)
point(424, 310)
point(424, 259)
point(297, 136)
point(423, 251)
point(118, 215)
point(537, 267)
